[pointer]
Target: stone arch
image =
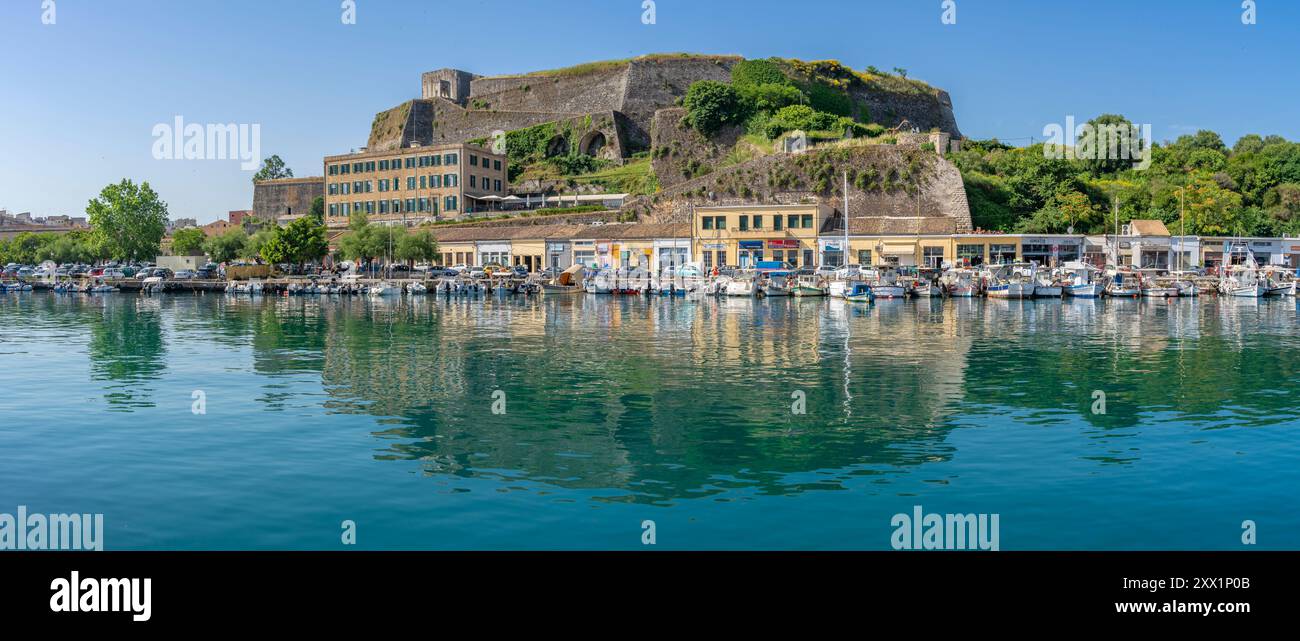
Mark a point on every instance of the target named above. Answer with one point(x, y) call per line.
point(558, 146)
point(593, 143)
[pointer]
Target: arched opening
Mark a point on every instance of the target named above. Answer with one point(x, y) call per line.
point(558, 146)
point(593, 144)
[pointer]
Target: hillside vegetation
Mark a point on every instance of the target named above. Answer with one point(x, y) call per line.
point(1251, 189)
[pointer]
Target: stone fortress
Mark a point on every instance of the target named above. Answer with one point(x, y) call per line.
point(615, 109)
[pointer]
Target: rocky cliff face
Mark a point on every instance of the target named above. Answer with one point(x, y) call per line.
point(635, 90)
point(891, 181)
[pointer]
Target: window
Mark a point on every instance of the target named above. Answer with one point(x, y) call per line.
point(1002, 254)
point(708, 258)
point(496, 164)
point(370, 207)
point(346, 187)
point(370, 186)
point(343, 169)
point(370, 166)
point(932, 256)
point(334, 189)
point(807, 221)
point(383, 165)
point(778, 255)
point(397, 206)
point(758, 222)
point(707, 222)
point(744, 223)
point(410, 182)
point(864, 257)
point(334, 170)
point(423, 205)
point(449, 203)
point(776, 223)
point(496, 185)
point(334, 209)
point(437, 161)
point(410, 204)
point(792, 221)
point(473, 160)
point(473, 180)
point(450, 159)
point(450, 180)
point(972, 254)
point(383, 206)
point(422, 182)
point(435, 181)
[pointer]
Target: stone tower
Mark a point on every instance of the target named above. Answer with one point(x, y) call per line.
point(448, 84)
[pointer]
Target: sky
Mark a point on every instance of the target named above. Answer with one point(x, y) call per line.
point(80, 99)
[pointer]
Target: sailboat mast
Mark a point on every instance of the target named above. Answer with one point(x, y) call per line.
point(846, 219)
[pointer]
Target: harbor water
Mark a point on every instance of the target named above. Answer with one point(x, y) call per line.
point(221, 422)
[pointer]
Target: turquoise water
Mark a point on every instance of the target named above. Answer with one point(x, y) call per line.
point(621, 410)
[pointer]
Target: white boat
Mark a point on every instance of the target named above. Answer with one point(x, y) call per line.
point(1047, 286)
point(884, 284)
point(836, 288)
point(1243, 281)
point(1080, 280)
point(1014, 281)
point(743, 285)
point(383, 289)
point(417, 289)
point(961, 283)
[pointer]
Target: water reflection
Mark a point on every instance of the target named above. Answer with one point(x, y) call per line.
point(658, 401)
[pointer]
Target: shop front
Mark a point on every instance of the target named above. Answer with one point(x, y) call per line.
point(584, 253)
point(493, 254)
point(1051, 250)
point(831, 252)
point(559, 254)
point(749, 253)
point(670, 254)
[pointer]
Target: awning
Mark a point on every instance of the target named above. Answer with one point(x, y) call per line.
point(899, 250)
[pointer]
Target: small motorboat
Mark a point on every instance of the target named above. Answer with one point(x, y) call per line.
point(860, 292)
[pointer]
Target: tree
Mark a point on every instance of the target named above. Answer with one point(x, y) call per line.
point(130, 220)
point(272, 168)
point(301, 241)
point(710, 105)
point(252, 249)
point(419, 246)
point(226, 247)
point(318, 209)
point(188, 242)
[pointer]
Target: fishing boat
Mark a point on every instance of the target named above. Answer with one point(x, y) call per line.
point(1277, 281)
point(809, 285)
point(1014, 281)
point(1242, 281)
point(743, 285)
point(417, 289)
point(1081, 280)
point(961, 283)
point(1123, 283)
point(860, 292)
point(1185, 283)
point(380, 290)
point(1048, 285)
point(884, 284)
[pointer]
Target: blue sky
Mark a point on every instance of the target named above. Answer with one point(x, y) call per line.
point(79, 99)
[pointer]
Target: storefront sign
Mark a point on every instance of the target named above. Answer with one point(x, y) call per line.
point(715, 245)
point(783, 244)
point(751, 244)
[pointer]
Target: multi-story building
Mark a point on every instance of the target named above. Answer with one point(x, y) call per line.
point(414, 184)
point(745, 235)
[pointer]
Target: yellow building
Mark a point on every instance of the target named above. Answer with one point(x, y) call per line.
point(414, 184)
point(745, 235)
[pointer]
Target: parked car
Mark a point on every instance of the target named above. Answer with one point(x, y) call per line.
point(477, 272)
point(206, 273)
point(185, 274)
point(520, 271)
point(459, 268)
point(113, 273)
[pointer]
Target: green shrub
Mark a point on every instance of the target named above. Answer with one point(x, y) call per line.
point(711, 105)
point(757, 72)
